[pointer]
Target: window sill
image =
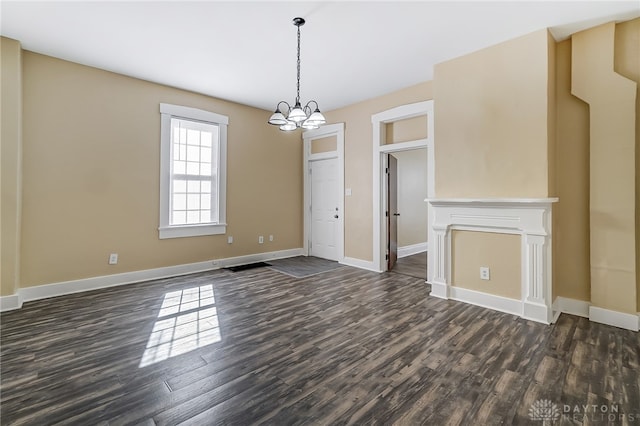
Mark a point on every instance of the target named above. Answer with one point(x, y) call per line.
point(192, 230)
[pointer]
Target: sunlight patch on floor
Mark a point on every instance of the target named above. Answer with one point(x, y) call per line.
point(188, 320)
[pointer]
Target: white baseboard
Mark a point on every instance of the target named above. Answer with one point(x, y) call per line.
point(10, 303)
point(258, 257)
point(412, 249)
point(358, 263)
point(538, 312)
point(491, 301)
point(571, 306)
point(94, 283)
point(439, 290)
point(614, 318)
point(603, 316)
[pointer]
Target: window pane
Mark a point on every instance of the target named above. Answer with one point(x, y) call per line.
point(193, 186)
point(193, 168)
point(179, 202)
point(182, 152)
point(205, 155)
point(193, 216)
point(193, 153)
point(178, 151)
point(193, 137)
point(193, 201)
point(179, 218)
point(205, 139)
point(179, 185)
point(205, 201)
point(179, 167)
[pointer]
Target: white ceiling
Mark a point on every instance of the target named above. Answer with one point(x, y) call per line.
point(246, 51)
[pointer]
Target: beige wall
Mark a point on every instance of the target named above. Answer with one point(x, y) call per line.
point(552, 107)
point(627, 63)
point(91, 176)
point(412, 190)
point(11, 164)
point(491, 114)
point(495, 137)
point(359, 162)
point(501, 253)
point(406, 130)
point(612, 100)
point(571, 262)
point(571, 265)
point(328, 144)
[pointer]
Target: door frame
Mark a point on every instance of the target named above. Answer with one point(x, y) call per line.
point(380, 148)
point(308, 137)
point(392, 194)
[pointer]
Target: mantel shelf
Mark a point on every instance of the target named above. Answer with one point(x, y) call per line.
point(491, 201)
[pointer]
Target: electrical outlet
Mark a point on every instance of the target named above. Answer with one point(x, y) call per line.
point(270, 237)
point(229, 239)
point(260, 239)
point(484, 273)
point(113, 259)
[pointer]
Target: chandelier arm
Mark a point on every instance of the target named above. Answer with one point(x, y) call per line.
point(314, 102)
point(307, 109)
point(286, 103)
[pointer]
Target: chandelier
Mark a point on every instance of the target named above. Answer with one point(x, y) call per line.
point(298, 116)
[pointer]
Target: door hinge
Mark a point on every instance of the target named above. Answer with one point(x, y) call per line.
point(386, 257)
point(386, 214)
point(386, 170)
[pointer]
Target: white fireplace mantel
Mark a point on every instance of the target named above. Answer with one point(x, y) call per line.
point(528, 217)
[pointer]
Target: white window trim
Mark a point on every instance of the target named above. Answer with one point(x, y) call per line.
point(166, 230)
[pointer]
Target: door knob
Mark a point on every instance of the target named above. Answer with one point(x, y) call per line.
point(396, 214)
point(335, 216)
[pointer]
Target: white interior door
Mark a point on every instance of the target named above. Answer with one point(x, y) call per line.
point(325, 214)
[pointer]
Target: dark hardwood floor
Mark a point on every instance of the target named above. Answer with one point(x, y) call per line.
point(343, 347)
point(414, 265)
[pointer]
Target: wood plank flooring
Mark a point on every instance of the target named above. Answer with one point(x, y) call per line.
point(343, 347)
point(303, 266)
point(414, 266)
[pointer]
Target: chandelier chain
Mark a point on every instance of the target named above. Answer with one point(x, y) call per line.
point(298, 69)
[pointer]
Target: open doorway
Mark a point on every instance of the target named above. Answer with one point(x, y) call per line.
point(406, 189)
point(387, 141)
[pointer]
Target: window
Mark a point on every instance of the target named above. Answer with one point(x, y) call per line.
point(192, 172)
